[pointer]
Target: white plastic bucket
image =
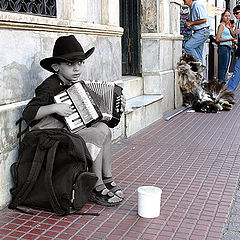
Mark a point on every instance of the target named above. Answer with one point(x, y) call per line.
point(149, 201)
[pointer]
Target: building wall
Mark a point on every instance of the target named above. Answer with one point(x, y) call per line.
point(26, 39)
point(161, 50)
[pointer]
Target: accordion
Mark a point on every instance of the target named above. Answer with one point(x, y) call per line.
point(92, 102)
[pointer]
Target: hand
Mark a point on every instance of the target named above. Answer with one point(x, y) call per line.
point(188, 24)
point(228, 25)
point(63, 109)
point(237, 31)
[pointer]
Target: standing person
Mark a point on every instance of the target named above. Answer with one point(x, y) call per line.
point(225, 39)
point(200, 25)
point(66, 64)
point(234, 47)
point(234, 80)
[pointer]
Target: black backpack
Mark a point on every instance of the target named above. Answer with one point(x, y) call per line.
point(52, 172)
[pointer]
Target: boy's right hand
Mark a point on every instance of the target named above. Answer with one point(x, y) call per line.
point(63, 109)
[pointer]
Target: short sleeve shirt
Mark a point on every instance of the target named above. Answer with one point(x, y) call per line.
point(198, 12)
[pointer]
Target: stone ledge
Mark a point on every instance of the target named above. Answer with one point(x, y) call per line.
point(13, 105)
point(48, 24)
point(140, 101)
point(161, 36)
point(133, 86)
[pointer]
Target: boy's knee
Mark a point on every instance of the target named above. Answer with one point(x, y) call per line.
point(105, 130)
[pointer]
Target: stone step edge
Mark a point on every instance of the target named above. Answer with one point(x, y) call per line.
point(141, 101)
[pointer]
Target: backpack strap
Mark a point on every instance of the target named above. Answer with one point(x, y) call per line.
point(31, 179)
point(48, 180)
point(20, 132)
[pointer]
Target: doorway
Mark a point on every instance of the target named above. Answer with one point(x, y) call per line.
point(131, 47)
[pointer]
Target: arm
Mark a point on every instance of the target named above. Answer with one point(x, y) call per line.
point(61, 109)
point(196, 22)
point(233, 33)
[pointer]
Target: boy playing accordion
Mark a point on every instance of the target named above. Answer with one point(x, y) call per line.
point(42, 112)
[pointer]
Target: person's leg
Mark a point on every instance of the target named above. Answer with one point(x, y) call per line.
point(95, 139)
point(190, 45)
point(223, 60)
point(199, 51)
point(107, 162)
point(195, 44)
point(234, 80)
point(97, 168)
point(101, 194)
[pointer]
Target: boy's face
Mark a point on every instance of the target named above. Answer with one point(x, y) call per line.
point(69, 72)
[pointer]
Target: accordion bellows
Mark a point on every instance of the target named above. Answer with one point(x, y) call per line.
point(91, 102)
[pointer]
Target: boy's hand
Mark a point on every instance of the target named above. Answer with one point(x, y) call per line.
point(63, 109)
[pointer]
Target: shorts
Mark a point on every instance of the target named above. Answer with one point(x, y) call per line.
point(93, 137)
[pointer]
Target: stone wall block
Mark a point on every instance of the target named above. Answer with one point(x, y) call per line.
point(175, 25)
point(178, 92)
point(149, 16)
point(177, 52)
point(8, 146)
point(150, 56)
point(166, 54)
point(152, 84)
point(94, 9)
point(19, 68)
point(167, 86)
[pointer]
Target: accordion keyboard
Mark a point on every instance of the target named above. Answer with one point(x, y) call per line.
point(81, 100)
point(74, 121)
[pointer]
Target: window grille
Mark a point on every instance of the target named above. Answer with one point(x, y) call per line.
point(36, 7)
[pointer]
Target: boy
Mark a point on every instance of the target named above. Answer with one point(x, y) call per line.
point(41, 112)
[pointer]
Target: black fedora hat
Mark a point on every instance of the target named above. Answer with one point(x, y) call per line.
point(66, 49)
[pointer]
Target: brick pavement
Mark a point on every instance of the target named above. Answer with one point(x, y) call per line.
point(194, 158)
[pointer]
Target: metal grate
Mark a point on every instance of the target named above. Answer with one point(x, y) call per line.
point(36, 7)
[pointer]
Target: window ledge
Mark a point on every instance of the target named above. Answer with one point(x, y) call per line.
point(50, 24)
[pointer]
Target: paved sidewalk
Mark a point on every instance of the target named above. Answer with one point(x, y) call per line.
point(194, 158)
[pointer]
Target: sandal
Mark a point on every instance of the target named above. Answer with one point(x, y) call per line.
point(113, 187)
point(102, 196)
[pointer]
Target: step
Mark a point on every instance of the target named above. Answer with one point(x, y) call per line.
point(133, 86)
point(141, 111)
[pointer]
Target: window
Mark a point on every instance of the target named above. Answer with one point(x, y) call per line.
point(36, 7)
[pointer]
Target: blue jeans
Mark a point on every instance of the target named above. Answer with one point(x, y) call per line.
point(234, 80)
point(224, 53)
point(195, 44)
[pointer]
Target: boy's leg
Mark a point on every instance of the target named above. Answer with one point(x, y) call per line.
point(107, 162)
point(101, 194)
point(102, 165)
point(97, 168)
